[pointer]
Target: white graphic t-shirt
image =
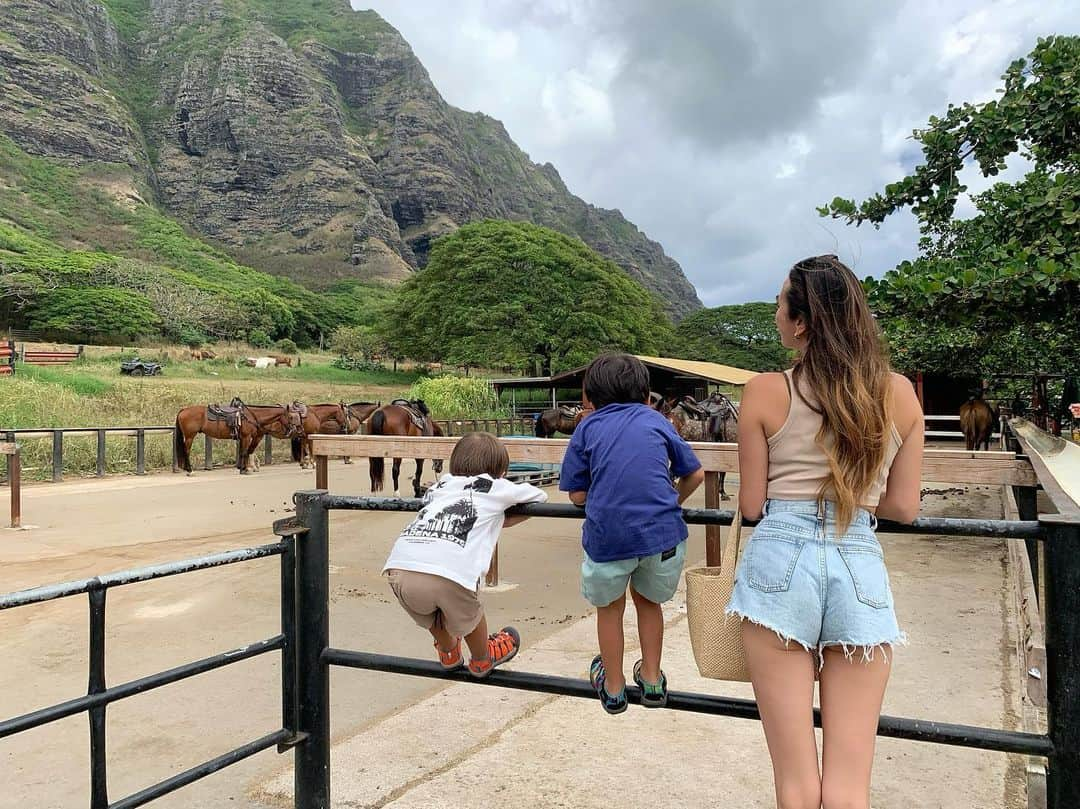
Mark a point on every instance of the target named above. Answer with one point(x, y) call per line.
point(455, 532)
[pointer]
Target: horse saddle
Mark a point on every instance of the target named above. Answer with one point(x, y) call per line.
point(418, 412)
point(232, 414)
point(566, 411)
point(693, 409)
point(299, 407)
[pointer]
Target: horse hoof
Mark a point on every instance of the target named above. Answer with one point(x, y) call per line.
point(725, 496)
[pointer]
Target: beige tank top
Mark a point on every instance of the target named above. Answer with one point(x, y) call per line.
point(798, 466)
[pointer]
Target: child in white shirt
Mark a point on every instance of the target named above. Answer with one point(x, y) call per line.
point(436, 564)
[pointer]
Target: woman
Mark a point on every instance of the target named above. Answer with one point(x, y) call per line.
point(824, 450)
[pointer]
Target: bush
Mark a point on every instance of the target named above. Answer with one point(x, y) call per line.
point(458, 396)
point(286, 346)
point(258, 338)
point(355, 364)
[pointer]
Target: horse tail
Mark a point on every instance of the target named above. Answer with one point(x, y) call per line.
point(297, 449)
point(539, 428)
point(180, 445)
point(378, 422)
point(376, 466)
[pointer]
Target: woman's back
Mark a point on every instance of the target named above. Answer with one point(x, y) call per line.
point(798, 463)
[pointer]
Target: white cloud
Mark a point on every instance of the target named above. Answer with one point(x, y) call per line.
point(717, 128)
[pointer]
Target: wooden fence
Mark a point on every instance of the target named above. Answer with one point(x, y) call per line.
point(7, 358)
point(41, 357)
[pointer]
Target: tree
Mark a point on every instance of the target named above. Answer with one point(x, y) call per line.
point(95, 312)
point(743, 335)
point(1014, 267)
point(500, 293)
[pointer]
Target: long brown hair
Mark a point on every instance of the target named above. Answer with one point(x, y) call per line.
point(845, 369)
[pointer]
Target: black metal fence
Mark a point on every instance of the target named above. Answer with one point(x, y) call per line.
point(307, 656)
point(99, 694)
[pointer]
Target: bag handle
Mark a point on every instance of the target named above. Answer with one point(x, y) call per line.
point(730, 556)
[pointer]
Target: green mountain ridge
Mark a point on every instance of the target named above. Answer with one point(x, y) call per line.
point(303, 139)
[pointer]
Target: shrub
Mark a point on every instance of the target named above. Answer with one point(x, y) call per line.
point(286, 346)
point(458, 396)
point(258, 338)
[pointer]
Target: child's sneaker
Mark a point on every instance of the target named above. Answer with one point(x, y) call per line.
point(503, 645)
point(450, 660)
point(653, 695)
point(597, 675)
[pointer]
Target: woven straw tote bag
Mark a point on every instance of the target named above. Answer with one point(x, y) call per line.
point(716, 638)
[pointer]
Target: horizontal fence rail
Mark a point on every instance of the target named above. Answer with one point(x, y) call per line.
point(921, 730)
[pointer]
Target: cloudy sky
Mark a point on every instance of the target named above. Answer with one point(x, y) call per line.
point(717, 126)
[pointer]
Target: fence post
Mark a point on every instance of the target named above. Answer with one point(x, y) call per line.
point(1027, 508)
point(57, 455)
point(100, 453)
point(712, 532)
point(140, 452)
point(312, 762)
point(1062, 624)
point(208, 456)
point(99, 798)
point(14, 465)
point(289, 705)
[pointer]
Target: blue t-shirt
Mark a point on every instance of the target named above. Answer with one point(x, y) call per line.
point(620, 455)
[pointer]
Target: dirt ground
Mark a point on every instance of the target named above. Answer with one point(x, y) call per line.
point(952, 599)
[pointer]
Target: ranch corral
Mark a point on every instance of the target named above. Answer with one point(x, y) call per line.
point(410, 742)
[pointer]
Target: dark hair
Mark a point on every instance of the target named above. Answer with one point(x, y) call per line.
point(479, 454)
point(846, 371)
point(616, 379)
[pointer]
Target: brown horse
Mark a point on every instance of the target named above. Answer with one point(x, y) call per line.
point(721, 424)
point(393, 419)
point(248, 429)
point(977, 422)
point(356, 413)
point(562, 420)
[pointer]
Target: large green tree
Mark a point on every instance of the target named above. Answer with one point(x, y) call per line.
point(743, 335)
point(498, 293)
point(999, 290)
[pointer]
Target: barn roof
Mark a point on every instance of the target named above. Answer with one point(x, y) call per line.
point(670, 368)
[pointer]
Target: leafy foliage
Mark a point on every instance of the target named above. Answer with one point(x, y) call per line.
point(458, 396)
point(743, 335)
point(1009, 276)
point(100, 313)
point(514, 294)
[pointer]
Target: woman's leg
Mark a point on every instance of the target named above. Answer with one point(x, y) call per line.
point(783, 678)
point(851, 693)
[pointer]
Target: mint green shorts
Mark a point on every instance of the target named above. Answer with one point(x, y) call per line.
point(654, 577)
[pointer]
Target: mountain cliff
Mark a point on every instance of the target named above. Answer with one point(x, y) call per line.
point(302, 138)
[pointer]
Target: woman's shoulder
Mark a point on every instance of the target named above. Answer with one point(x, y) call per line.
point(766, 385)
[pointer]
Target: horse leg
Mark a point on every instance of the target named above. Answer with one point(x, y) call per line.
point(419, 474)
point(397, 473)
point(723, 495)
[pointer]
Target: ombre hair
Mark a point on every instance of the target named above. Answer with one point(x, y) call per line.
point(845, 370)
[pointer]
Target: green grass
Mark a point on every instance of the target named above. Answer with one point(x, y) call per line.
point(81, 383)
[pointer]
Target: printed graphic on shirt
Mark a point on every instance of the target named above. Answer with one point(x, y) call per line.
point(452, 522)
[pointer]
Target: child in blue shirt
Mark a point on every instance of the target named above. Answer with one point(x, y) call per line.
point(618, 466)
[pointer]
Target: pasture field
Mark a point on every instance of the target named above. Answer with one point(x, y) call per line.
point(92, 393)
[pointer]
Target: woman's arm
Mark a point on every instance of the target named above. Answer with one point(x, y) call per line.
point(764, 406)
point(900, 500)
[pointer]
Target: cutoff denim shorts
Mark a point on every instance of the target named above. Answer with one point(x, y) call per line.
point(799, 579)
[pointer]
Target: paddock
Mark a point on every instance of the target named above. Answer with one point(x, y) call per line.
point(174, 620)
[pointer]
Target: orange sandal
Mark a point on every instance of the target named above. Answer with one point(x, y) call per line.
point(503, 645)
point(451, 660)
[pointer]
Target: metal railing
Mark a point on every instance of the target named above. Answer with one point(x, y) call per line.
point(1060, 746)
point(99, 695)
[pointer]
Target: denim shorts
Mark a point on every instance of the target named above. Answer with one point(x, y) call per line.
point(799, 579)
point(656, 577)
